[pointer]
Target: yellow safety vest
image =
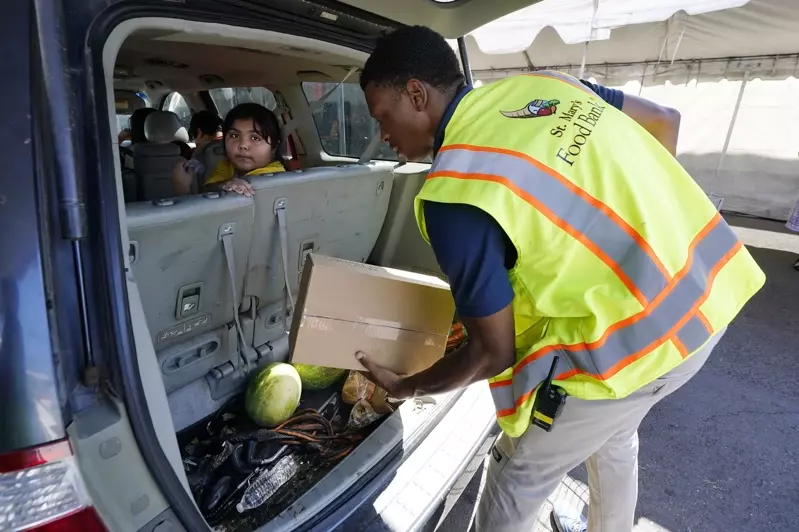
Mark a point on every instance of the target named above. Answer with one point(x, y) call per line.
point(624, 269)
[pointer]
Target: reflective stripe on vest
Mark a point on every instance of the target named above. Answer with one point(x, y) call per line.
point(585, 218)
point(671, 304)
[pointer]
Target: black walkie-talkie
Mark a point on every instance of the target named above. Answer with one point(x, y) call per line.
point(549, 401)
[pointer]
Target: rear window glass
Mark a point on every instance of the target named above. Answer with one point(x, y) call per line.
point(227, 99)
point(125, 106)
point(343, 122)
point(177, 104)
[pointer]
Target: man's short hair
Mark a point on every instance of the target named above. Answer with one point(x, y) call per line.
point(207, 122)
point(413, 52)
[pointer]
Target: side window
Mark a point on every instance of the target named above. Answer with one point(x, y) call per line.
point(227, 99)
point(175, 103)
point(125, 105)
point(343, 121)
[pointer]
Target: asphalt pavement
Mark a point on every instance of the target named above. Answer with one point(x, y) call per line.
point(722, 453)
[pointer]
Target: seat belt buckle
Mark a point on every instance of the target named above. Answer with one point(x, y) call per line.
point(226, 229)
point(549, 401)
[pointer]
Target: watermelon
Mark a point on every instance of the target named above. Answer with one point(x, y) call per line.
point(273, 394)
point(318, 377)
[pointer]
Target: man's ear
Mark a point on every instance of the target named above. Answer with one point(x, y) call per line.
point(418, 93)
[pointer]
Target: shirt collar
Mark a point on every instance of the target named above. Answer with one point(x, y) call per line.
point(442, 126)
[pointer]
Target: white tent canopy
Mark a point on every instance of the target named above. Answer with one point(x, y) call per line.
point(732, 73)
point(551, 33)
point(578, 21)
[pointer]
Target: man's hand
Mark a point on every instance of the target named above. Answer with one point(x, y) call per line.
point(489, 351)
point(395, 385)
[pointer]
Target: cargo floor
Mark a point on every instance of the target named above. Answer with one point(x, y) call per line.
point(207, 438)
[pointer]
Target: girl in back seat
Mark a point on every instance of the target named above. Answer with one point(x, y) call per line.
point(252, 147)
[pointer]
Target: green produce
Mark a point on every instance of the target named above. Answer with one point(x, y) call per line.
point(318, 377)
point(273, 394)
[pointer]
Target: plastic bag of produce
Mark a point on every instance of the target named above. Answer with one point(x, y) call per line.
point(369, 400)
point(457, 336)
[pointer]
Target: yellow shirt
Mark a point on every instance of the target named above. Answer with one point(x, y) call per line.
point(225, 171)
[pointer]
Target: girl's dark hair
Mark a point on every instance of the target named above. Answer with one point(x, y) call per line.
point(264, 123)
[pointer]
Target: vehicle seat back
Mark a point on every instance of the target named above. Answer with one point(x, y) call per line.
point(334, 210)
point(210, 156)
point(154, 160)
point(178, 259)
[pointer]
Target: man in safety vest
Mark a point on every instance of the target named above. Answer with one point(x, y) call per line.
point(575, 245)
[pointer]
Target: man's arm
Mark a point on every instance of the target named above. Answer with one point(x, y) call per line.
point(489, 351)
point(661, 122)
point(474, 252)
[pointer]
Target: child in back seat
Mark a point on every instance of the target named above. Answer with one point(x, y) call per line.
point(252, 147)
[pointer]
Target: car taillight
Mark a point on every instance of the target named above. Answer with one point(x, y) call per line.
point(41, 489)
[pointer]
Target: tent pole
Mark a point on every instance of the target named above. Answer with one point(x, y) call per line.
point(530, 64)
point(677, 46)
point(582, 64)
point(643, 78)
point(467, 68)
point(590, 35)
point(732, 124)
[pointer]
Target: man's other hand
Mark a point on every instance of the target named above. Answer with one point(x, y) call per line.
point(392, 383)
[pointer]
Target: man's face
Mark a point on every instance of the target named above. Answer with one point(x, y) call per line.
point(404, 122)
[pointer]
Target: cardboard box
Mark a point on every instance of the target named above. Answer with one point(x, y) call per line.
point(400, 319)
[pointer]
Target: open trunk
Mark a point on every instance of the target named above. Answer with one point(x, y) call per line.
point(207, 284)
point(311, 493)
point(217, 491)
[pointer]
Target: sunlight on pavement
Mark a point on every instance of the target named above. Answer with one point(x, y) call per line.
point(768, 239)
point(645, 525)
point(573, 494)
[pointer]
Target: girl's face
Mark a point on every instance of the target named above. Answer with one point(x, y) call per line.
point(245, 148)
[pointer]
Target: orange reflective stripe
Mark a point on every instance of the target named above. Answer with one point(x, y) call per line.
point(543, 209)
point(672, 315)
point(582, 216)
point(680, 346)
point(701, 317)
point(585, 196)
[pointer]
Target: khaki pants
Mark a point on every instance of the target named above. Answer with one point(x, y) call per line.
point(521, 473)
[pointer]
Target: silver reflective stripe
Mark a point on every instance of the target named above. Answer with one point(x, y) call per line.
point(503, 397)
point(693, 335)
point(567, 206)
point(628, 343)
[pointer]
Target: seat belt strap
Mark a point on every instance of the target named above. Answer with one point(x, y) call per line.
point(371, 149)
point(226, 234)
point(280, 213)
point(294, 123)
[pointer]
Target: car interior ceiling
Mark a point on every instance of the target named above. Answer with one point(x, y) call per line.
point(157, 63)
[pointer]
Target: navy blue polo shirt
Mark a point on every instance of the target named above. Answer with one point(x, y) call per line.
point(471, 248)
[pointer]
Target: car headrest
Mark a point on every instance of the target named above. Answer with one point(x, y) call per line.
point(164, 126)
